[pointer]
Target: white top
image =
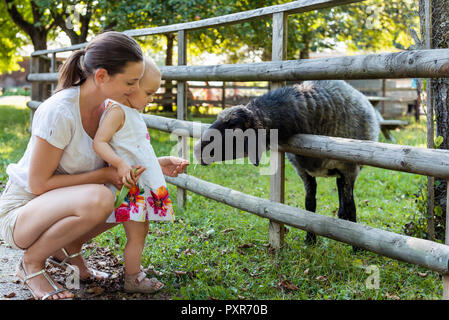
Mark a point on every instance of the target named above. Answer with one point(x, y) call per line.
point(150, 199)
point(58, 121)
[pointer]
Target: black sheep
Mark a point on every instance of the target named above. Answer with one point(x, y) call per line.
point(327, 107)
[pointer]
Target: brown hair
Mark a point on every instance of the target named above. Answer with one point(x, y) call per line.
point(111, 50)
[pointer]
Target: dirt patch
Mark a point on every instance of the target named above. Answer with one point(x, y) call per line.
point(99, 258)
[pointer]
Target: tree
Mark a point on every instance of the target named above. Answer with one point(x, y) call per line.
point(32, 19)
point(439, 94)
point(70, 15)
point(42, 20)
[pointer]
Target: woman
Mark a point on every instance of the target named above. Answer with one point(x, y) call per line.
point(55, 199)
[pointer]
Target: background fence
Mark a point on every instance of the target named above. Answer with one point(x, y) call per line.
point(408, 64)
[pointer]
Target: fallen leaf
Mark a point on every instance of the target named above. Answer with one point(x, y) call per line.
point(271, 250)
point(246, 245)
point(180, 273)
point(423, 275)
point(392, 296)
point(189, 252)
point(11, 295)
point(321, 278)
point(285, 284)
point(95, 290)
point(306, 272)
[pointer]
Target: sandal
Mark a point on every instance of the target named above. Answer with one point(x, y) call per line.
point(27, 277)
point(140, 283)
point(64, 265)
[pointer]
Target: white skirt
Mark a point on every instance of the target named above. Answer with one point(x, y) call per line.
point(13, 198)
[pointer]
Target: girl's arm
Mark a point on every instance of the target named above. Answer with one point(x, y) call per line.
point(112, 122)
point(43, 163)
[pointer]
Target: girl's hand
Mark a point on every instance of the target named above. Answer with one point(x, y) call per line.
point(172, 166)
point(126, 174)
point(137, 173)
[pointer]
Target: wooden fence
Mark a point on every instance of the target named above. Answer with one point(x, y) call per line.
point(408, 64)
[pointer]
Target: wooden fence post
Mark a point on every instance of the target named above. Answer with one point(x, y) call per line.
point(34, 68)
point(39, 91)
point(223, 96)
point(53, 69)
point(181, 109)
point(277, 159)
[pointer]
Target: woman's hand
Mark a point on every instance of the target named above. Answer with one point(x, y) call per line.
point(113, 177)
point(172, 166)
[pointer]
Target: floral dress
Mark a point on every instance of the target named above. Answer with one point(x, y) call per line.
point(149, 199)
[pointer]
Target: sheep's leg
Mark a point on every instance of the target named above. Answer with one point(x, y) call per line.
point(347, 210)
point(310, 187)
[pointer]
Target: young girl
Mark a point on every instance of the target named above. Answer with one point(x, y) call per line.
point(123, 141)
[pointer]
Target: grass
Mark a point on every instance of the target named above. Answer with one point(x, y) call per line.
point(214, 251)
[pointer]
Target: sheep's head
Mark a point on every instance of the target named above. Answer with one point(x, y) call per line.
point(233, 135)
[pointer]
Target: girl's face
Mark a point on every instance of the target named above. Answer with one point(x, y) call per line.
point(120, 86)
point(148, 86)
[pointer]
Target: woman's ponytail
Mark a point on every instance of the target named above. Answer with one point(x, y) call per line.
point(72, 72)
point(110, 50)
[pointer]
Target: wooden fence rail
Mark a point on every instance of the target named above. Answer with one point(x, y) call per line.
point(429, 254)
point(406, 64)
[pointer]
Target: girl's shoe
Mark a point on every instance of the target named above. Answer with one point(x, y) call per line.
point(64, 265)
point(140, 283)
point(27, 277)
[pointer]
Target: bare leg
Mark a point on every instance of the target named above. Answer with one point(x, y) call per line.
point(77, 245)
point(55, 219)
point(136, 233)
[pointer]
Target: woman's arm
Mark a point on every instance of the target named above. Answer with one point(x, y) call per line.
point(43, 163)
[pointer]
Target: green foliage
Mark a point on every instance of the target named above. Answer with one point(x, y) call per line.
point(14, 124)
point(15, 92)
point(379, 25)
point(9, 42)
point(369, 26)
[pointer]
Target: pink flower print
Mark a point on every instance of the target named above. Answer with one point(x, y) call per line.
point(160, 201)
point(148, 137)
point(122, 213)
point(135, 199)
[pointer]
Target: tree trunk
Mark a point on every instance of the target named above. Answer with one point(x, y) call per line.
point(305, 52)
point(440, 98)
point(39, 39)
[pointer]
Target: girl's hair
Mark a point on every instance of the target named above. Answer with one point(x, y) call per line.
point(111, 50)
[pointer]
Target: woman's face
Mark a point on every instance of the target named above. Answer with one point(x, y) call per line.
point(119, 86)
